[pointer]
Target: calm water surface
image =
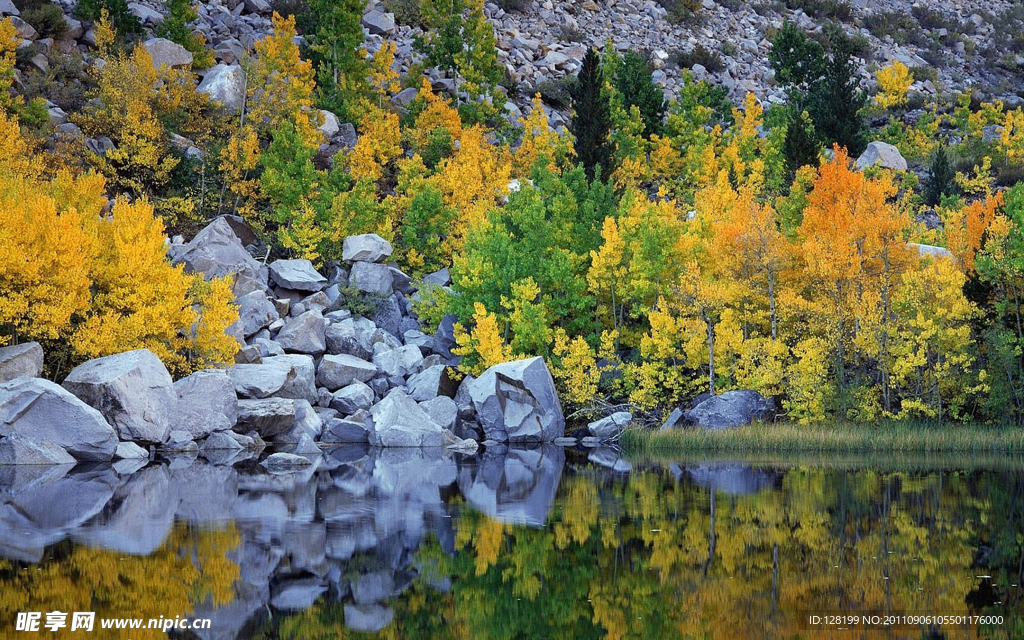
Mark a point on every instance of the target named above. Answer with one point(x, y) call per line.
point(516, 544)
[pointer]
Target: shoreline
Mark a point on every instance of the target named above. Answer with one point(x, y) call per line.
point(836, 437)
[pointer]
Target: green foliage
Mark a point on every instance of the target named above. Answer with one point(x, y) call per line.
point(338, 55)
point(591, 120)
point(825, 85)
point(45, 17)
point(406, 12)
point(636, 87)
point(544, 233)
point(460, 39)
point(121, 16)
point(175, 28)
point(801, 148)
point(426, 226)
point(941, 178)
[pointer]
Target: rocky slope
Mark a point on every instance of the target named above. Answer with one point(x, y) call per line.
point(952, 45)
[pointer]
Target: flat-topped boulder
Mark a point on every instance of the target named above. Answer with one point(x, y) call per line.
point(368, 247)
point(133, 390)
point(299, 275)
point(43, 411)
point(25, 359)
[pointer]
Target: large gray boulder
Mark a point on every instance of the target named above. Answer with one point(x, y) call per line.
point(930, 251)
point(167, 54)
point(255, 311)
point(731, 409)
point(337, 371)
point(287, 376)
point(306, 333)
point(399, 362)
point(884, 155)
point(352, 398)
point(379, 23)
point(216, 252)
point(345, 432)
point(133, 391)
point(19, 449)
point(517, 402)
point(267, 417)
point(225, 84)
point(430, 383)
point(25, 359)
point(398, 421)
point(351, 336)
point(610, 426)
point(370, 277)
point(43, 411)
point(368, 247)
point(206, 403)
point(298, 275)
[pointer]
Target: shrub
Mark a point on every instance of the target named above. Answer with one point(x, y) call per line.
point(823, 9)
point(45, 17)
point(122, 18)
point(406, 12)
point(681, 10)
point(899, 26)
point(710, 60)
point(518, 6)
point(557, 93)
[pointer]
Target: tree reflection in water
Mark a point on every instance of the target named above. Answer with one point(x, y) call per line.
point(513, 544)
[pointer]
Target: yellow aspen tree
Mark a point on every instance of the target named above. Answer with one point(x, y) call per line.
point(482, 346)
point(893, 83)
point(383, 78)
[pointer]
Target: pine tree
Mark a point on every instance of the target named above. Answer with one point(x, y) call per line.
point(800, 147)
point(836, 102)
point(941, 180)
point(636, 86)
point(592, 119)
point(339, 56)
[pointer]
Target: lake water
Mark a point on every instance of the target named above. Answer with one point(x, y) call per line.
point(517, 544)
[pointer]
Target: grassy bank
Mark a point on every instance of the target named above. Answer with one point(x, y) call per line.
point(832, 437)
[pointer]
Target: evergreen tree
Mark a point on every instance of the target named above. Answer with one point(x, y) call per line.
point(940, 182)
point(591, 120)
point(825, 85)
point(339, 55)
point(800, 148)
point(634, 83)
point(836, 101)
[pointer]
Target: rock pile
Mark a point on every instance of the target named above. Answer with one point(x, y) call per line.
point(309, 371)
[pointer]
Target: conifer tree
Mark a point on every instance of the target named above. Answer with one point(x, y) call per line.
point(941, 181)
point(837, 100)
point(636, 86)
point(591, 121)
point(800, 147)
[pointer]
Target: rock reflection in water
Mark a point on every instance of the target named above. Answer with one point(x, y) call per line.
point(508, 543)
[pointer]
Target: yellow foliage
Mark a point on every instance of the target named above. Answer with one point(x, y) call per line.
point(1012, 138)
point(893, 83)
point(282, 85)
point(966, 228)
point(383, 78)
point(482, 347)
point(9, 42)
point(576, 369)
point(539, 143)
point(102, 284)
point(379, 144)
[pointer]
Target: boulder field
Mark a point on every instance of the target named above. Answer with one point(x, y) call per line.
point(309, 372)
